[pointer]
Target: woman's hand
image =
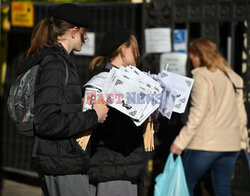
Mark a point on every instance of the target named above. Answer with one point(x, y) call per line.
point(175, 149)
point(101, 111)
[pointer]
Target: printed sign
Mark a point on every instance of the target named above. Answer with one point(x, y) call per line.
point(158, 40)
point(22, 14)
point(180, 40)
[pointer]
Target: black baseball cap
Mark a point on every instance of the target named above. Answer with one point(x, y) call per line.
point(112, 40)
point(72, 13)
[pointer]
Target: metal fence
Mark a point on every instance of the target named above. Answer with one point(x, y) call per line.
point(226, 22)
point(217, 20)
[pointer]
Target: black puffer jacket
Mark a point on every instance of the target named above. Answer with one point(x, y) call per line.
point(58, 116)
point(117, 149)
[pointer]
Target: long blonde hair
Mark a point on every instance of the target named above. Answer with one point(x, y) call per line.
point(130, 42)
point(209, 54)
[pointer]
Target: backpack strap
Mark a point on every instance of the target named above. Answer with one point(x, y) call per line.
point(67, 73)
point(67, 70)
point(35, 147)
point(234, 87)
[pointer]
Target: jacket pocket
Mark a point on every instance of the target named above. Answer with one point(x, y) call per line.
point(77, 146)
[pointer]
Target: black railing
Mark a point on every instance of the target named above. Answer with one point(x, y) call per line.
point(217, 20)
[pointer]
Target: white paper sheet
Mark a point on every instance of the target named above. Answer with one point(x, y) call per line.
point(90, 97)
point(158, 40)
point(132, 92)
point(138, 95)
point(182, 85)
point(176, 62)
point(98, 80)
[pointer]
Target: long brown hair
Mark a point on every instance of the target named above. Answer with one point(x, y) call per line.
point(130, 42)
point(208, 53)
point(45, 34)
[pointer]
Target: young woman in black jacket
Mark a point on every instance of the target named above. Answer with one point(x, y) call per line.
point(117, 149)
point(58, 116)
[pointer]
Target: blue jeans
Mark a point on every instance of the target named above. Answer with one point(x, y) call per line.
point(197, 162)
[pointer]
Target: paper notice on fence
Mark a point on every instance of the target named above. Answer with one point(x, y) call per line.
point(158, 40)
point(180, 40)
point(176, 62)
point(182, 85)
point(88, 48)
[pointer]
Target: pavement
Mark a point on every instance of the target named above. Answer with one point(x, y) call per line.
point(12, 188)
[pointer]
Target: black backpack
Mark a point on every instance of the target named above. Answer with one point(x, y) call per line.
point(20, 101)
